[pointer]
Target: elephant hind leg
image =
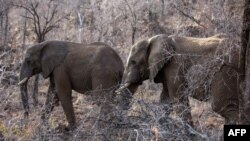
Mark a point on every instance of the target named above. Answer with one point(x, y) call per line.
point(103, 85)
point(224, 90)
point(229, 112)
point(104, 81)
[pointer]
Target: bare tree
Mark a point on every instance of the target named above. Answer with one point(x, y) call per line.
point(24, 28)
point(186, 14)
point(4, 22)
point(245, 65)
point(153, 23)
point(133, 21)
point(162, 7)
point(44, 16)
point(100, 21)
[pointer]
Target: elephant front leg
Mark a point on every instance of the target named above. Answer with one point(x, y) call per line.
point(102, 84)
point(179, 100)
point(184, 110)
point(182, 107)
point(164, 97)
point(64, 93)
point(50, 102)
point(166, 101)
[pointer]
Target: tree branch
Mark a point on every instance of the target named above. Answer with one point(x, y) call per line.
point(188, 16)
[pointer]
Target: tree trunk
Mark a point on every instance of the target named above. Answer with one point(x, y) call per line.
point(245, 66)
point(1, 29)
point(25, 28)
point(162, 8)
point(133, 34)
point(6, 27)
point(246, 94)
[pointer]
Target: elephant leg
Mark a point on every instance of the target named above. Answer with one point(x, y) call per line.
point(175, 84)
point(181, 105)
point(64, 93)
point(225, 90)
point(185, 109)
point(164, 97)
point(167, 105)
point(103, 85)
point(35, 91)
point(50, 102)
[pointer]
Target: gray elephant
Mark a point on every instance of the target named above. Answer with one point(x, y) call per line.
point(70, 66)
point(167, 59)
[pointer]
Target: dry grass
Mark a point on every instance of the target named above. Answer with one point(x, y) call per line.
point(146, 120)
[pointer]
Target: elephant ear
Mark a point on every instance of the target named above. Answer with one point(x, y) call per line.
point(53, 55)
point(160, 51)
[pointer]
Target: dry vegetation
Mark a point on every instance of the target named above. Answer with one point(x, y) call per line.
point(119, 23)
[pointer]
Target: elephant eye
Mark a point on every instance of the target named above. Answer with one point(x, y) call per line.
point(28, 61)
point(133, 62)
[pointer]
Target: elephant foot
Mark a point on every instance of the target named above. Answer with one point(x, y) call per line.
point(231, 121)
point(34, 104)
point(70, 127)
point(35, 101)
point(190, 122)
point(64, 128)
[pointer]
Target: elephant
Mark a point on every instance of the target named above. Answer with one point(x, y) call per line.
point(71, 66)
point(167, 59)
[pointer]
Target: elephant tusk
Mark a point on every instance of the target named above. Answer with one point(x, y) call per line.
point(23, 81)
point(122, 88)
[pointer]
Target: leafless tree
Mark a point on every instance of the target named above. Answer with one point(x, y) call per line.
point(183, 11)
point(24, 28)
point(4, 22)
point(153, 23)
point(133, 21)
point(44, 16)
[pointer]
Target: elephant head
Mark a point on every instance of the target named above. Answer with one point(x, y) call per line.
point(40, 58)
point(147, 57)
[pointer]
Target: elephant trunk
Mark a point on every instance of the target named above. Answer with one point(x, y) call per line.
point(124, 84)
point(24, 96)
point(130, 80)
point(122, 87)
point(131, 87)
point(24, 77)
point(125, 94)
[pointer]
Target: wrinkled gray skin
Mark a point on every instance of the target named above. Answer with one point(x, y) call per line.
point(70, 66)
point(162, 60)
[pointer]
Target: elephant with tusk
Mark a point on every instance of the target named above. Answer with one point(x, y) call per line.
point(71, 66)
